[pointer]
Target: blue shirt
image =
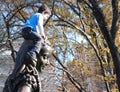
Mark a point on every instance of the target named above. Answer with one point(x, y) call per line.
point(36, 23)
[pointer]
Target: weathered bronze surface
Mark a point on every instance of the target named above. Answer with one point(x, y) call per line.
point(25, 75)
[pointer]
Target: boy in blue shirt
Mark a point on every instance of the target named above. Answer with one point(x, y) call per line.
point(33, 30)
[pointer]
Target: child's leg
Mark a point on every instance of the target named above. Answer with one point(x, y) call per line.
point(28, 34)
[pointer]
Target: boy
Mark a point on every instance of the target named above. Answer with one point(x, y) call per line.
point(33, 30)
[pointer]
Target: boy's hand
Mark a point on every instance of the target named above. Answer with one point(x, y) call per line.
point(44, 38)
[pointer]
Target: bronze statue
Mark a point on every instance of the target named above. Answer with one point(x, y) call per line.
point(25, 75)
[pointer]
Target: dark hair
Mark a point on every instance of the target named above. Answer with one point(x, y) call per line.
point(44, 8)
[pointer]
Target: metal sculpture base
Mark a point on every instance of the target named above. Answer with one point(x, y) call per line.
point(25, 76)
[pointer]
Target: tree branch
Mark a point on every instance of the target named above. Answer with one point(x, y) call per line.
point(51, 12)
point(100, 18)
point(71, 78)
point(9, 38)
point(115, 18)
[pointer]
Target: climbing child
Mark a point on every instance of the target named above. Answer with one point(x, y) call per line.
point(34, 30)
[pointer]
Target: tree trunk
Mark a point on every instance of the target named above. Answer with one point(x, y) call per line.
point(100, 18)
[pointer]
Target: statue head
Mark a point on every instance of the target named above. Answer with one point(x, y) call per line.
point(44, 55)
point(46, 51)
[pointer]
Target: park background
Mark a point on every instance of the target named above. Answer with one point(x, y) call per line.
point(85, 36)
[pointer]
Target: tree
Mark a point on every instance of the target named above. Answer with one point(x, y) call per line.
point(92, 23)
point(88, 23)
point(109, 35)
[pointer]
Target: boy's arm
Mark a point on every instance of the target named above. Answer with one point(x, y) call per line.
point(41, 28)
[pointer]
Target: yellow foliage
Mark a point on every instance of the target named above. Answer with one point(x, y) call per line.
point(51, 23)
point(88, 30)
point(105, 64)
point(111, 64)
point(78, 23)
point(71, 15)
point(75, 44)
point(106, 50)
point(100, 77)
point(80, 64)
point(108, 78)
point(114, 90)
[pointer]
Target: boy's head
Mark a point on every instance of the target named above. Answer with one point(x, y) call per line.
point(44, 10)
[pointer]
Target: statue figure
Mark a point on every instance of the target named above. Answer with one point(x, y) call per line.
point(25, 75)
point(32, 55)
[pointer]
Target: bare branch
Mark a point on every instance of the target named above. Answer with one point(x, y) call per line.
point(71, 78)
point(115, 18)
point(51, 13)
